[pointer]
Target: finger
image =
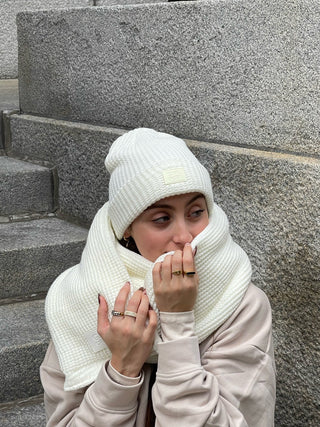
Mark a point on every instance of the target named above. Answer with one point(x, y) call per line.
point(142, 311)
point(177, 265)
point(103, 320)
point(120, 302)
point(166, 270)
point(134, 301)
point(188, 259)
point(152, 324)
point(156, 274)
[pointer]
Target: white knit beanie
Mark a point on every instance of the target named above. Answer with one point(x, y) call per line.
point(147, 166)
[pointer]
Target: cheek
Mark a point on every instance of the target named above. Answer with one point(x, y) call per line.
point(205, 223)
point(151, 244)
point(202, 225)
point(152, 241)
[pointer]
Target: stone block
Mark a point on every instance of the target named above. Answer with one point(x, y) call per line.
point(41, 249)
point(22, 415)
point(272, 201)
point(23, 341)
point(223, 71)
point(125, 2)
point(8, 29)
point(24, 187)
point(78, 152)
point(9, 94)
point(9, 100)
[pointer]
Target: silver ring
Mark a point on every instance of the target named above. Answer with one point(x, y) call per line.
point(117, 313)
point(130, 313)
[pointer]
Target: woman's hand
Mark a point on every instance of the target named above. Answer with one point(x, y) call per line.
point(176, 292)
point(129, 339)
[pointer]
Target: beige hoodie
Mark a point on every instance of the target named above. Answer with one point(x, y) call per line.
point(229, 380)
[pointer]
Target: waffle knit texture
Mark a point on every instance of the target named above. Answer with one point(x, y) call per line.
point(147, 166)
point(223, 268)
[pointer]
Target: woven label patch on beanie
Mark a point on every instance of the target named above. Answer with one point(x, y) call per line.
point(174, 175)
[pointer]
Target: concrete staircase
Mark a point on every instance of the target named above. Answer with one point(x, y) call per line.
point(35, 246)
point(231, 77)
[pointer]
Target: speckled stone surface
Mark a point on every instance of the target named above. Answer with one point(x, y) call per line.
point(9, 100)
point(9, 94)
point(8, 29)
point(232, 71)
point(24, 187)
point(24, 338)
point(125, 2)
point(272, 201)
point(77, 150)
point(23, 415)
point(34, 253)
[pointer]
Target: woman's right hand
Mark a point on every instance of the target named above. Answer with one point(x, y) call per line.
point(129, 339)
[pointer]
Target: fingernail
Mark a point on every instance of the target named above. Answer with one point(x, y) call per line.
point(188, 244)
point(99, 299)
point(127, 284)
point(142, 289)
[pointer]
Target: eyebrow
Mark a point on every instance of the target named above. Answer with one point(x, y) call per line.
point(165, 206)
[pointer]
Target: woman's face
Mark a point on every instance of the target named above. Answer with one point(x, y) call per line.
point(169, 224)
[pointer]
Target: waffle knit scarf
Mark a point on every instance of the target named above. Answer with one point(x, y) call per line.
point(223, 268)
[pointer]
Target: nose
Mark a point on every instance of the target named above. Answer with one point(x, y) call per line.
point(181, 233)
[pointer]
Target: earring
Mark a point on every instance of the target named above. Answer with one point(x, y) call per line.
point(127, 240)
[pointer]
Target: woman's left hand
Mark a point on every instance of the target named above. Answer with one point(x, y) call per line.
point(129, 339)
point(174, 289)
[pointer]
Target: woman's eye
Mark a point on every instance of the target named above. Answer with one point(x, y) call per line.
point(197, 213)
point(161, 219)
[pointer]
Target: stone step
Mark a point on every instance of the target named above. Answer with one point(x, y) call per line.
point(9, 100)
point(9, 94)
point(24, 187)
point(8, 29)
point(24, 339)
point(224, 71)
point(33, 253)
point(77, 150)
point(27, 413)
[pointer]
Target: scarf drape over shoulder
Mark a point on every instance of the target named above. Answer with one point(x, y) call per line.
point(223, 268)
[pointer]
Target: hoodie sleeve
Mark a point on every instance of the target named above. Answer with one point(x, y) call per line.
point(229, 382)
point(105, 402)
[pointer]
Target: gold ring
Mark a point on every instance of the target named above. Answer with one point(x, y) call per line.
point(177, 273)
point(130, 313)
point(117, 313)
point(189, 273)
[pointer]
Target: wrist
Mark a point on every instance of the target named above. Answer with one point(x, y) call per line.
point(124, 369)
point(121, 379)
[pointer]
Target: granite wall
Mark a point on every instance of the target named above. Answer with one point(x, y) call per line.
point(8, 29)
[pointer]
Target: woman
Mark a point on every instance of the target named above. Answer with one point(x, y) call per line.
point(182, 336)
